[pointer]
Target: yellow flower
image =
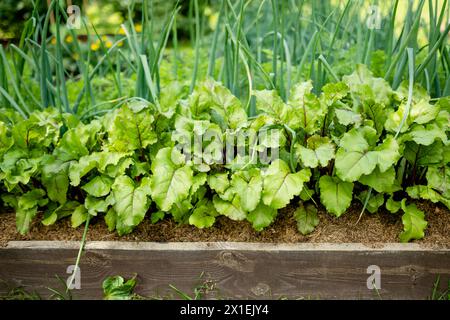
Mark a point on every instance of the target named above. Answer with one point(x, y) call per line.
point(138, 27)
point(104, 38)
point(120, 44)
point(108, 44)
point(53, 41)
point(122, 31)
point(69, 39)
point(213, 20)
point(207, 11)
point(95, 46)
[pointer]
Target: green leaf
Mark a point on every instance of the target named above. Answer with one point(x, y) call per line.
point(79, 216)
point(307, 218)
point(424, 155)
point(98, 187)
point(280, 186)
point(376, 112)
point(306, 110)
point(171, 181)
point(131, 130)
point(421, 112)
point(348, 117)
point(381, 181)
point(27, 206)
point(111, 219)
point(333, 92)
point(335, 194)
point(364, 86)
point(77, 142)
point(392, 205)
point(131, 202)
point(374, 203)
point(269, 102)
point(319, 152)
point(96, 160)
point(248, 186)
point(157, 216)
point(95, 205)
point(427, 193)
point(439, 178)
point(212, 101)
point(203, 216)
point(115, 288)
point(357, 156)
point(262, 217)
point(65, 210)
point(19, 166)
point(6, 140)
point(219, 182)
point(231, 209)
point(414, 223)
point(55, 179)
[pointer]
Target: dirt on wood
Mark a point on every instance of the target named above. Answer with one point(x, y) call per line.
point(373, 229)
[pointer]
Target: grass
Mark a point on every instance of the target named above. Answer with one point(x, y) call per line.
point(437, 294)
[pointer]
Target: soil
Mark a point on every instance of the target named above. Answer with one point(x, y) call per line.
point(373, 229)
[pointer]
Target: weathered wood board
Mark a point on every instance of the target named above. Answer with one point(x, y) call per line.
point(237, 270)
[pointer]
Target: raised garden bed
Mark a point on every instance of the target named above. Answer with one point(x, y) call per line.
point(276, 263)
point(233, 270)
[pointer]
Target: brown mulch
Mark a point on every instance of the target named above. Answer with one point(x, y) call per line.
point(373, 229)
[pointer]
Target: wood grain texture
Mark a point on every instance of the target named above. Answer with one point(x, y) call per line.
point(240, 271)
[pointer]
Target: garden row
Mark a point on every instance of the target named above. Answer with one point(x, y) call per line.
point(200, 157)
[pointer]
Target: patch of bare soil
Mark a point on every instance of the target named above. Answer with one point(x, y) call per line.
point(373, 229)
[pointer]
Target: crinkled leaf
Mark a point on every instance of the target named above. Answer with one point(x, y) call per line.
point(414, 223)
point(333, 92)
point(421, 112)
point(427, 193)
point(364, 86)
point(348, 117)
point(439, 178)
point(27, 206)
point(131, 130)
point(319, 152)
point(203, 216)
point(392, 205)
point(96, 160)
point(306, 110)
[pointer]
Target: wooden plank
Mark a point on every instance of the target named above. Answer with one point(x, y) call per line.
point(238, 270)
